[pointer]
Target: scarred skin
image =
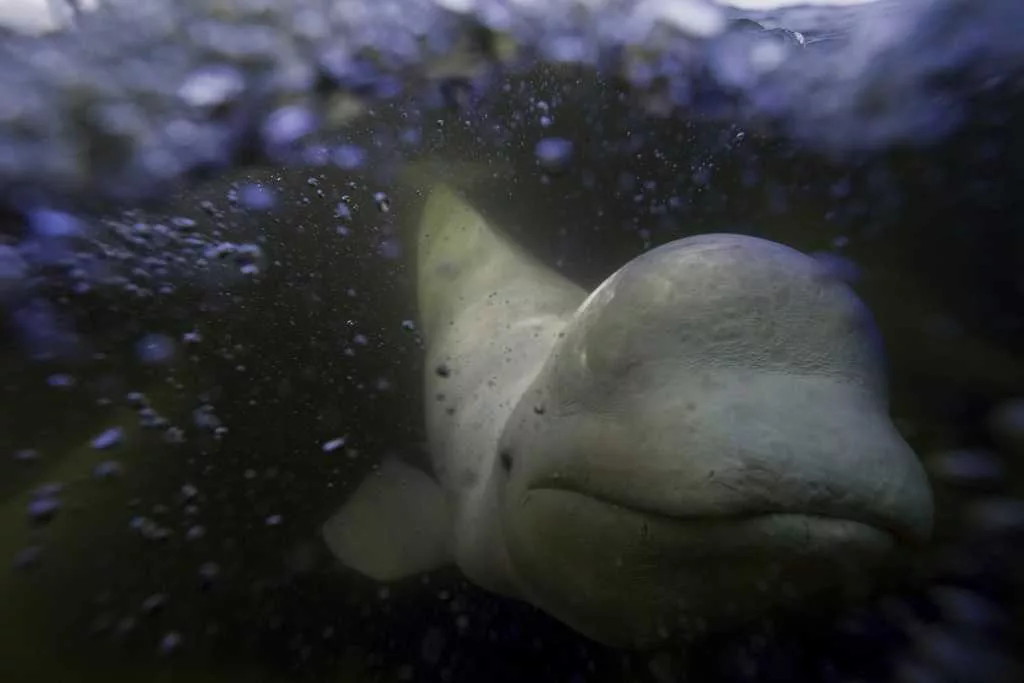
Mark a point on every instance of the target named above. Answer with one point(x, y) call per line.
point(703, 438)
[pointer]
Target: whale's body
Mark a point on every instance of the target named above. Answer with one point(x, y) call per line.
point(703, 438)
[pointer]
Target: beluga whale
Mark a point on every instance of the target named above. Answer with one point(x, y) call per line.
point(701, 440)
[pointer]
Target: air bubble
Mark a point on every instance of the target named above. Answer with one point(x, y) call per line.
point(107, 439)
point(155, 349)
point(204, 418)
point(553, 153)
point(136, 399)
point(170, 643)
point(257, 197)
point(174, 435)
point(390, 249)
point(287, 126)
point(25, 455)
point(51, 224)
point(42, 510)
point(383, 202)
point(148, 529)
point(209, 571)
point(50, 489)
point(212, 86)
point(333, 444)
point(108, 469)
point(154, 603)
point(349, 157)
point(60, 380)
point(968, 467)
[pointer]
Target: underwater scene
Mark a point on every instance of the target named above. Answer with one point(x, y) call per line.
point(451, 341)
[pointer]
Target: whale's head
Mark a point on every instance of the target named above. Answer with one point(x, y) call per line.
point(709, 440)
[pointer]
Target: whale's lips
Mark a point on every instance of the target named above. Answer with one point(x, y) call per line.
point(743, 447)
point(888, 501)
point(817, 516)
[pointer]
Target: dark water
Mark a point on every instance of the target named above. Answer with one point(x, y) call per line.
point(198, 558)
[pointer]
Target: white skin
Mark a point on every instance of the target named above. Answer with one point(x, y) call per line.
point(702, 439)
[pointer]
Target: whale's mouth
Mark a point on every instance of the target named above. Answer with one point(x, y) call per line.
point(627, 576)
point(823, 527)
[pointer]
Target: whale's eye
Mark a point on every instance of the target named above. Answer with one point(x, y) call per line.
point(506, 460)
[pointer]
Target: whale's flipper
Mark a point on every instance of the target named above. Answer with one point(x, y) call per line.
point(396, 524)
